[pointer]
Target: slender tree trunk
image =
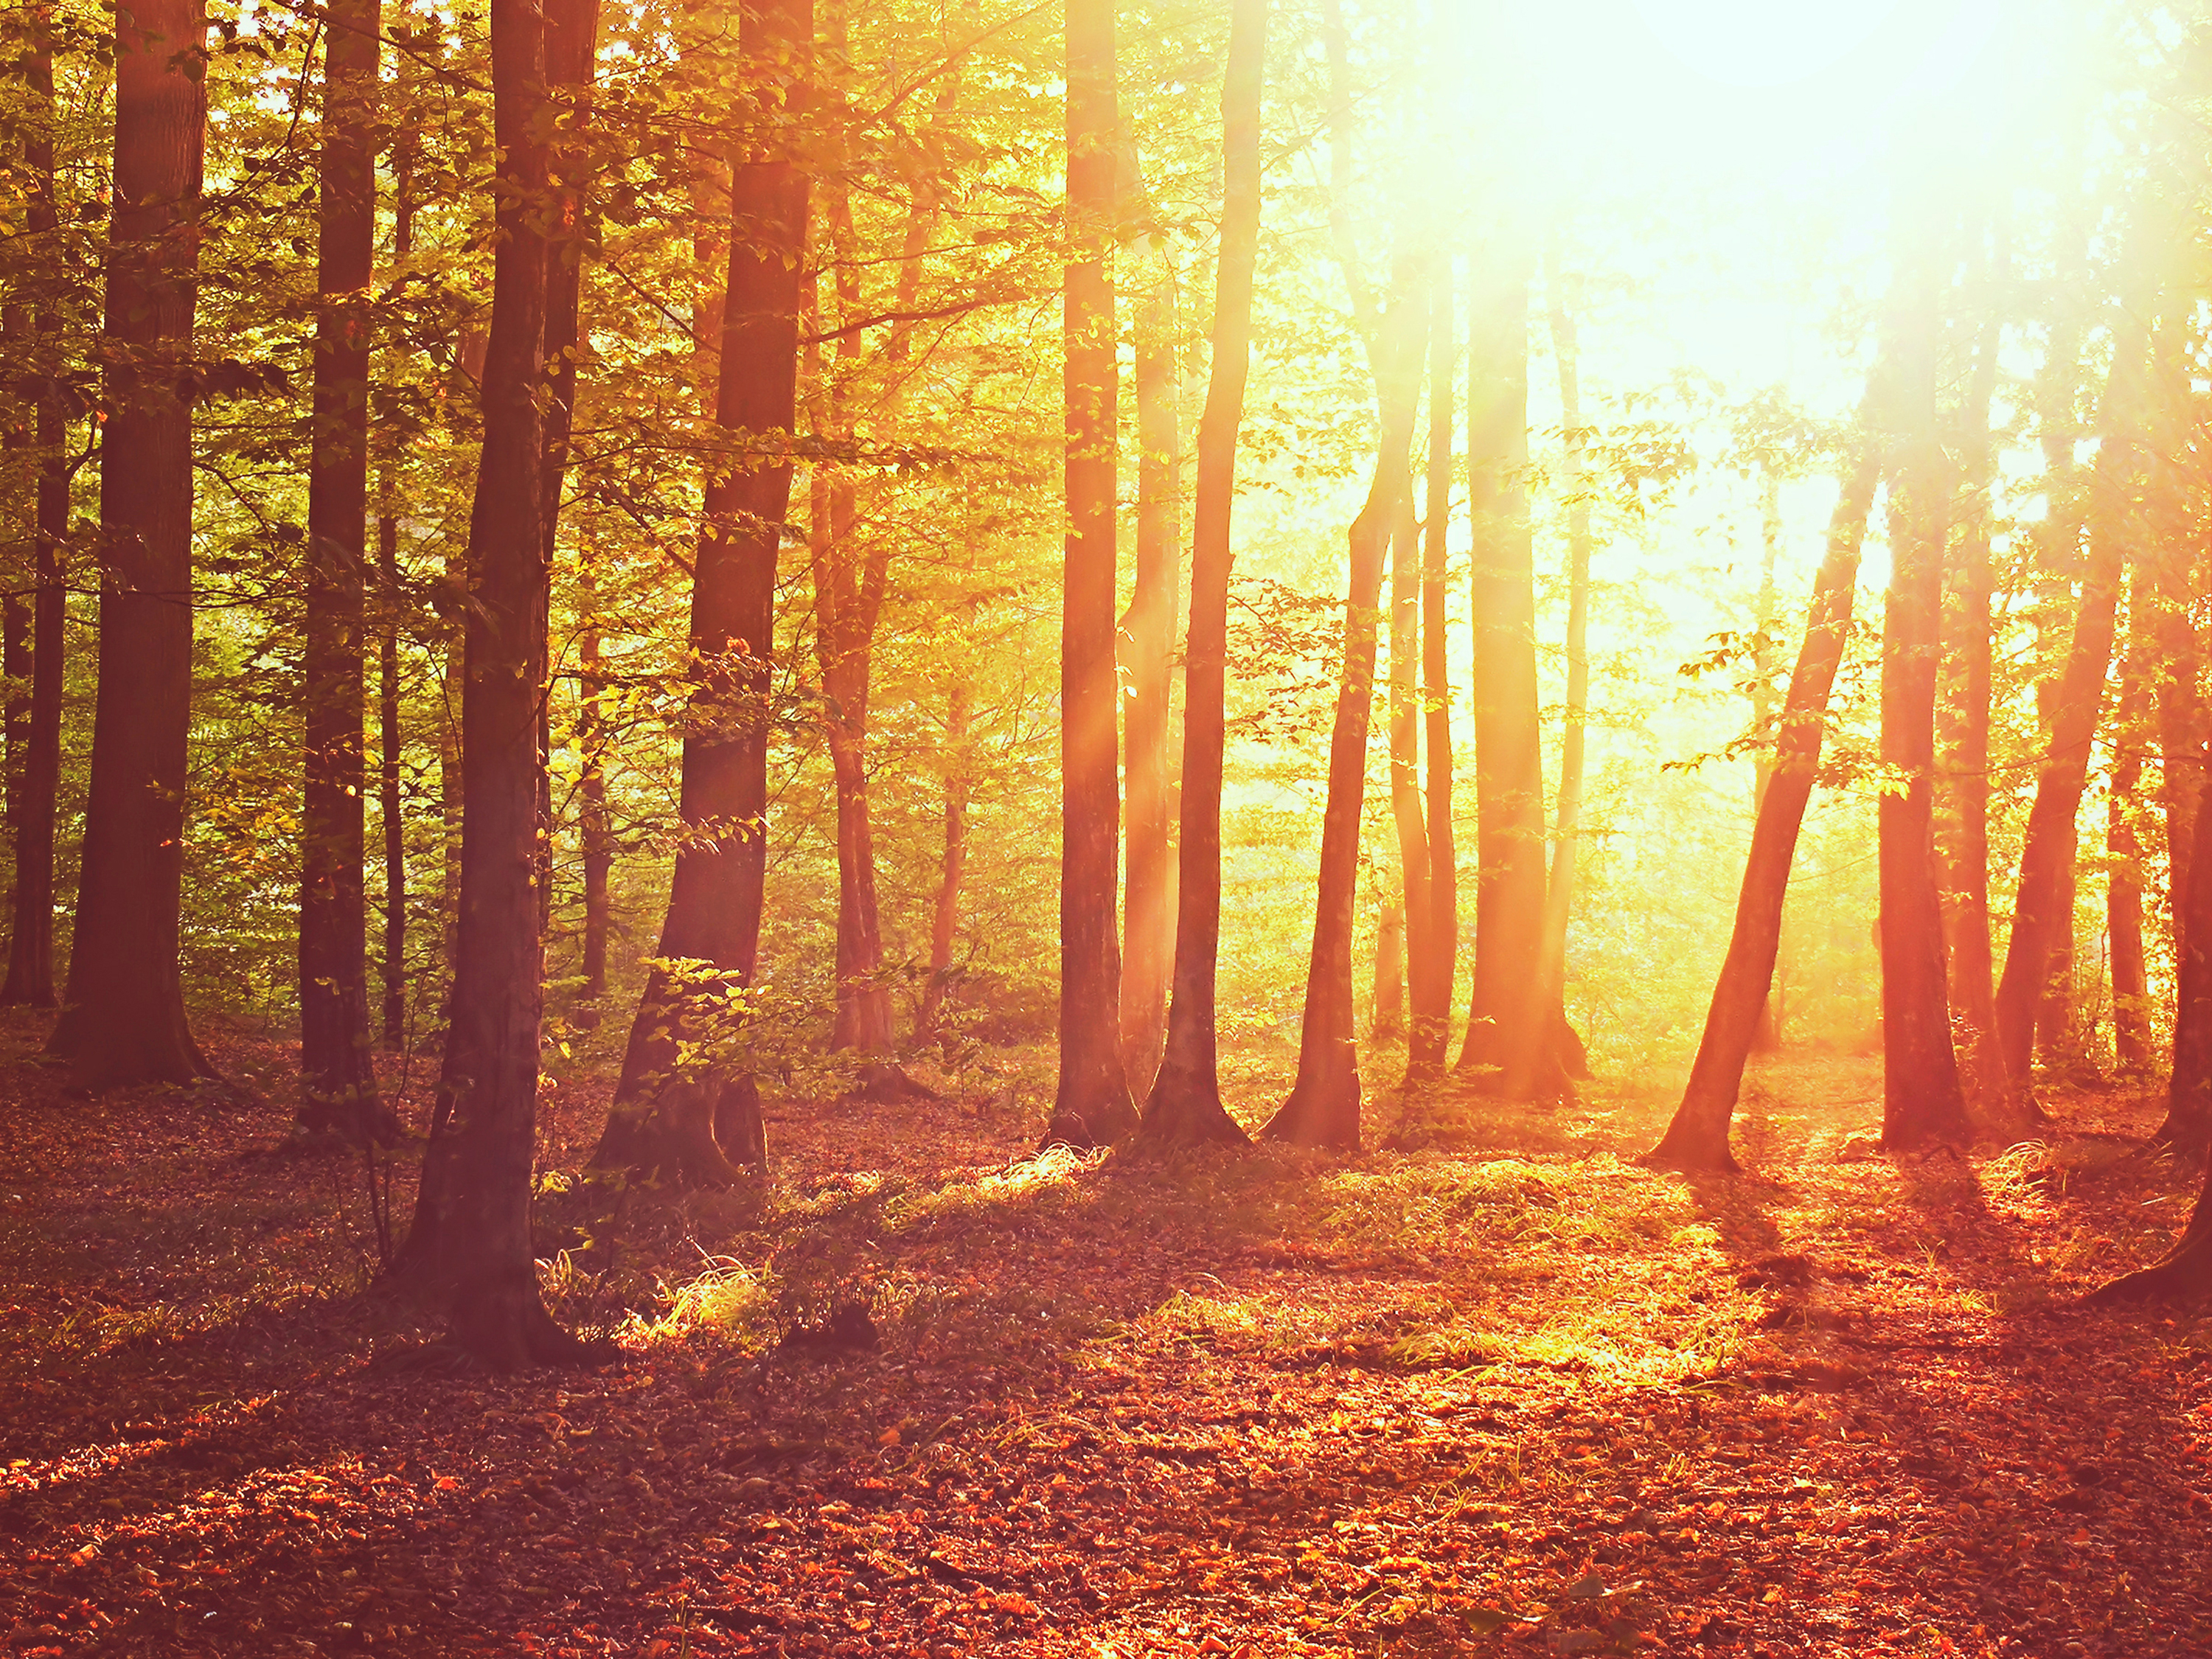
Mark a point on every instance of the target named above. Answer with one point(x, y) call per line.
point(594, 827)
point(2131, 1030)
point(1963, 831)
point(1411, 952)
point(1698, 1138)
point(1387, 1008)
point(1508, 784)
point(2172, 561)
point(1767, 1037)
point(389, 806)
point(2043, 911)
point(1921, 1100)
point(1550, 989)
point(20, 434)
point(124, 1022)
point(1091, 1107)
point(470, 1245)
point(1148, 909)
point(696, 1124)
point(1185, 1105)
point(2188, 1126)
point(338, 1090)
point(1432, 997)
point(945, 917)
point(1323, 1109)
point(31, 938)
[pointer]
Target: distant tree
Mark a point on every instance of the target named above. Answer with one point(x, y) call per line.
point(1432, 983)
point(124, 1022)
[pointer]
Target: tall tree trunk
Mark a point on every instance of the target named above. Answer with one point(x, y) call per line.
point(1550, 988)
point(393, 611)
point(1432, 984)
point(1921, 1100)
point(2188, 1126)
point(1323, 1107)
point(2131, 1028)
point(1504, 1021)
point(944, 915)
point(1185, 1105)
point(124, 1022)
point(339, 1083)
point(2043, 911)
point(470, 1246)
point(1963, 830)
point(31, 937)
point(696, 1125)
point(1698, 1138)
point(1387, 1007)
point(594, 828)
point(1091, 1106)
point(1148, 908)
point(1767, 1037)
point(2173, 568)
point(1412, 953)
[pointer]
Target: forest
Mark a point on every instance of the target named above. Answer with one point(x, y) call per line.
point(1105, 828)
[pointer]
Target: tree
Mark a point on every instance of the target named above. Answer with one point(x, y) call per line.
point(1323, 1107)
point(1148, 919)
point(1092, 1105)
point(470, 1246)
point(698, 1122)
point(1698, 1137)
point(31, 806)
point(1506, 1035)
point(1921, 1100)
point(2043, 908)
point(1404, 940)
point(124, 1018)
point(338, 1090)
point(1432, 984)
point(1185, 1106)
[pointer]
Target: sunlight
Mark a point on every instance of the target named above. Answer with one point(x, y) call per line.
point(1756, 43)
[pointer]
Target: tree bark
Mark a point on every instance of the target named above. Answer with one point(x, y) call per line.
point(1766, 1038)
point(339, 1092)
point(1503, 1023)
point(1698, 1138)
point(2131, 1027)
point(1432, 997)
point(1963, 829)
point(470, 1246)
point(1921, 1100)
point(2043, 911)
point(1091, 1106)
point(1323, 1107)
point(2188, 1125)
point(696, 1124)
point(944, 915)
point(1184, 1106)
point(124, 1022)
point(1550, 988)
point(1148, 908)
point(1411, 953)
point(32, 809)
point(1387, 1007)
point(594, 828)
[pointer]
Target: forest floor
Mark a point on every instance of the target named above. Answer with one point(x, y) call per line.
point(1511, 1395)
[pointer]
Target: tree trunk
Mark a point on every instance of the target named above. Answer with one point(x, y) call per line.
point(390, 736)
point(1412, 952)
point(31, 938)
point(696, 1123)
point(2188, 1125)
point(1185, 1105)
point(1432, 997)
point(1504, 1021)
point(1698, 1138)
point(2183, 1274)
point(2173, 561)
point(1387, 1008)
point(2043, 911)
point(1550, 988)
point(470, 1246)
point(1148, 910)
point(1091, 1106)
point(944, 915)
point(1922, 1101)
point(594, 828)
point(2131, 1028)
point(124, 1022)
point(1323, 1109)
point(1766, 1037)
point(339, 1091)
point(1963, 830)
